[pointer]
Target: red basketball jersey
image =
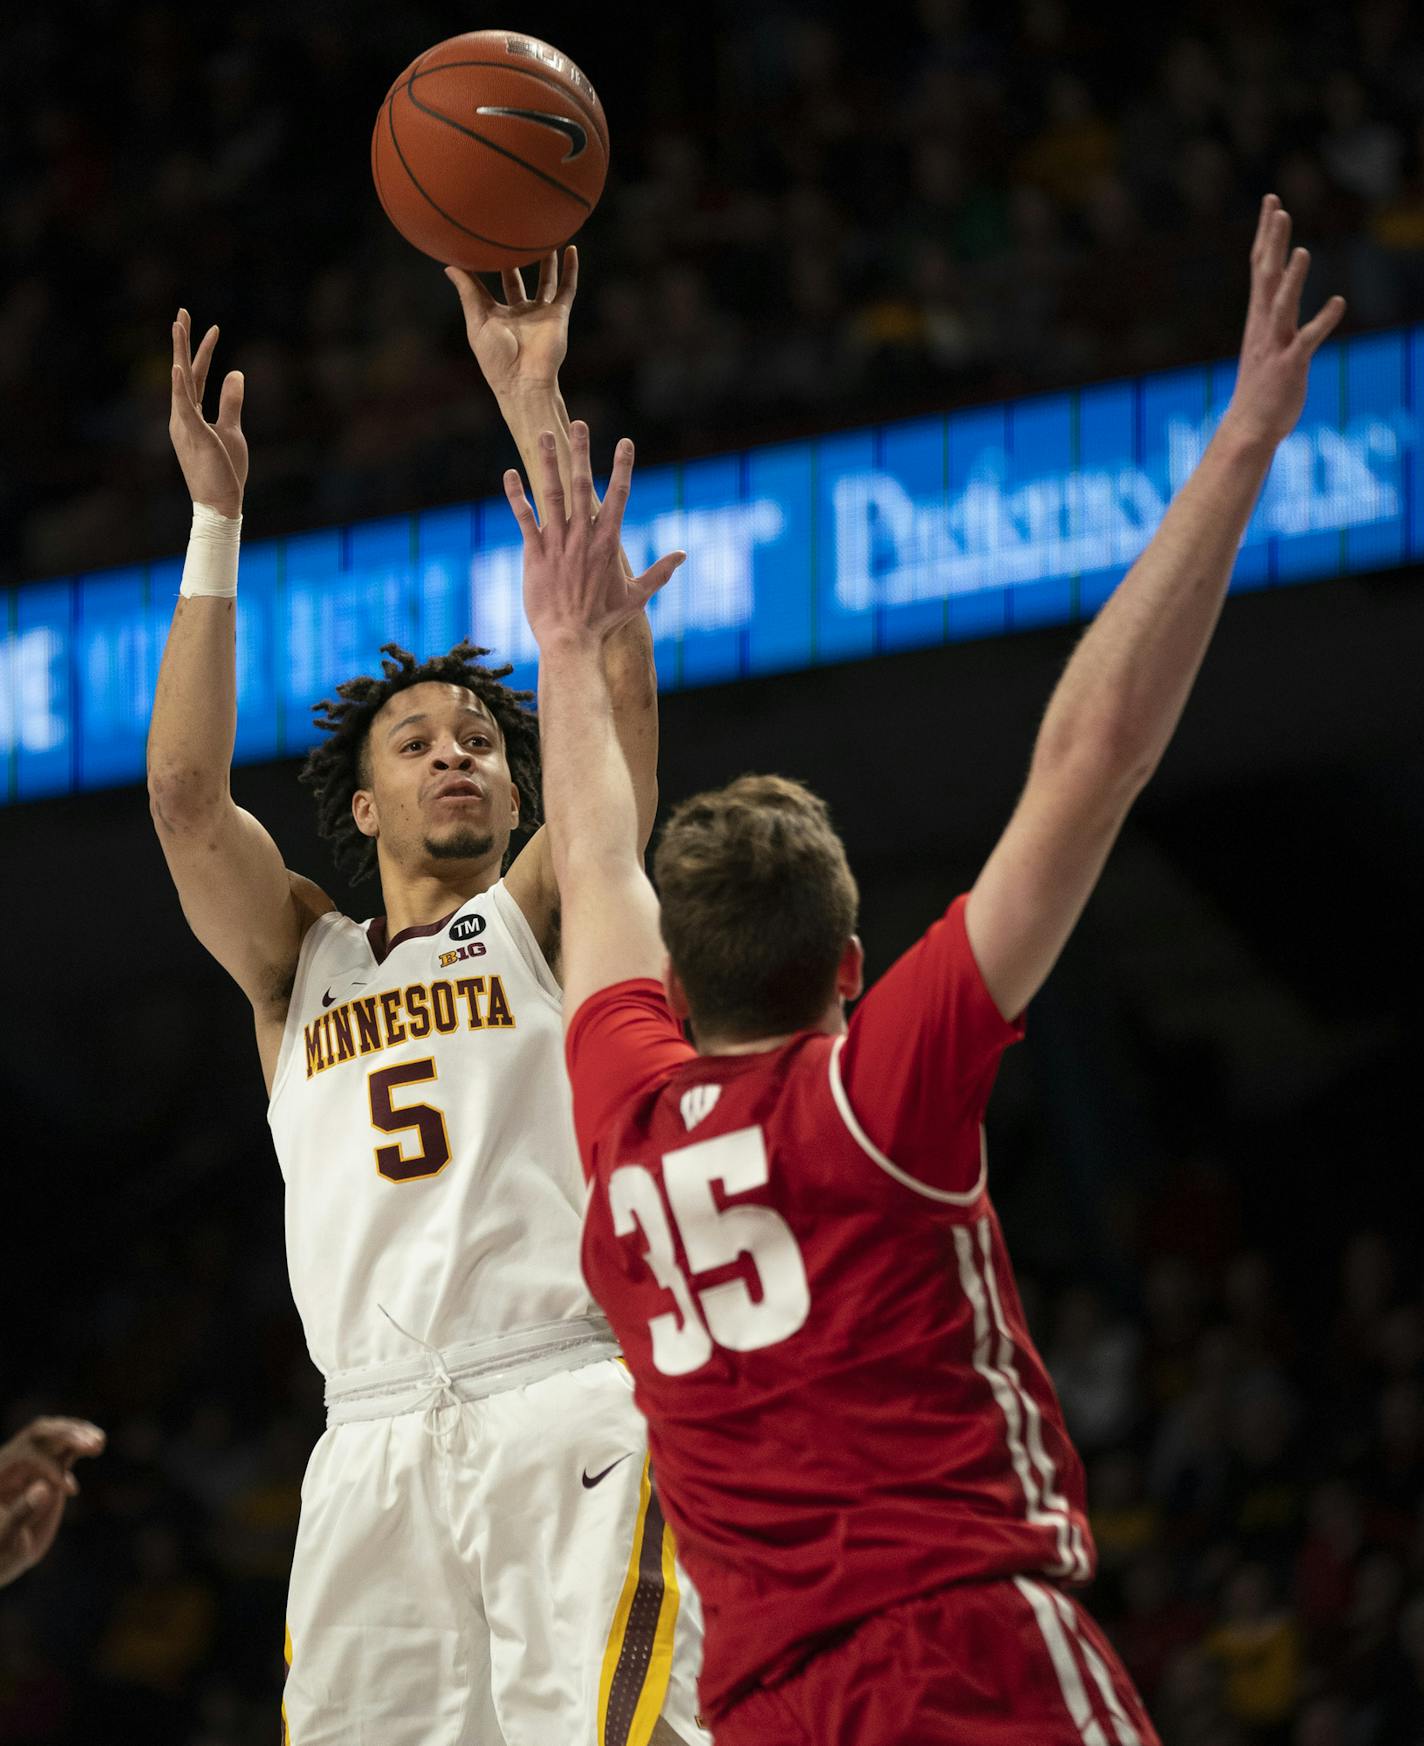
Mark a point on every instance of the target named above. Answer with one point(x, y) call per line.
point(797, 1251)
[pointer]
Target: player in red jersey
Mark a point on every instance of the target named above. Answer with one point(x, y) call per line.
point(789, 1227)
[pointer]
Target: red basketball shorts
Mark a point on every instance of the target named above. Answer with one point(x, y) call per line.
point(1010, 1663)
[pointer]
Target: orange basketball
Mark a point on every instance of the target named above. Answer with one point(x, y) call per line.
point(489, 150)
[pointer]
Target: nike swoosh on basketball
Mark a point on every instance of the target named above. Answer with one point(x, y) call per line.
point(577, 138)
point(590, 1481)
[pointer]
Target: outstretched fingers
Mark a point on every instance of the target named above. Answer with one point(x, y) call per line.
point(1278, 236)
point(581, 471)
point(512, 282)
point(523, 510)
point(183, 409)
point(568, 279)
point(558, 281)
point(182, 359)
point(1268, 254)
point(555, 513)
point(475, 299)
point(190, 373)
point(230, 401)
point(1270, 205)
point(1285, 309)
point(620, 483)
point(182, 403)
point(656, 576)
point(201, 364)
point(1273, 233)
point(1321, 325)
point(615, 502)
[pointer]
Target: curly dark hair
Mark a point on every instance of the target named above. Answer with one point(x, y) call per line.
point(339, 765)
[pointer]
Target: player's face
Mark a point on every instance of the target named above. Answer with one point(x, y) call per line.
point(440, 786)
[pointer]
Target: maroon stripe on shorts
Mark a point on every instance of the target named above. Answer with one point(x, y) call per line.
point(631, 1673)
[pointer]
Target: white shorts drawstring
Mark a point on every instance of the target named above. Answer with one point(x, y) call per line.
point(465, 1372)
point(443, 1391)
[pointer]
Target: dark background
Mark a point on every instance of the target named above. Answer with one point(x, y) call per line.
point(1204, 1152)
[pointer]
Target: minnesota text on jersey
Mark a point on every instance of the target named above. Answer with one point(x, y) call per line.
point(372, 1022)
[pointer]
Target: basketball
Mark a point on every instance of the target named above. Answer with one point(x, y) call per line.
point(489, 150)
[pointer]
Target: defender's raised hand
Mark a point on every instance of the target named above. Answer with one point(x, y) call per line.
point(213, 456)
point(1275, 350)
point(521, 342)
point(575, 585)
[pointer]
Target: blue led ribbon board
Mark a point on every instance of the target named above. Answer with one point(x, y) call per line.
point(974, 523)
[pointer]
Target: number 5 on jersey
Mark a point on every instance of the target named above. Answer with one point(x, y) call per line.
point(427, 1122)
point(726, 1315)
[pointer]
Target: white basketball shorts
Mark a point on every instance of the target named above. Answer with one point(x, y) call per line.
point(488, 1569)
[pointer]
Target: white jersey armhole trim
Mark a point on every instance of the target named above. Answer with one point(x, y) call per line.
point(527, 946)
point(291, 1030)
point(946, 1196)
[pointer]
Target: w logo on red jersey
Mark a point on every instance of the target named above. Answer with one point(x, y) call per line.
point(698, 1103)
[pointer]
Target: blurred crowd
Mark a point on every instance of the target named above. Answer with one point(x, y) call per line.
point(1252, 1423)
point(808, 221)
point(1256, 1483)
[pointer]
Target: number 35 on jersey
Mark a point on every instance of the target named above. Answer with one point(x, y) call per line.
point(728, 1313)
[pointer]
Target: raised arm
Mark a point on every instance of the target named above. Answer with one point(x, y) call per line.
point(238, 897)
point(576, 595)
point(520, 345)
point(1120, 698)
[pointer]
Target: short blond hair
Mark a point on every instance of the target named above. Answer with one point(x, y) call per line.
point(758, 902)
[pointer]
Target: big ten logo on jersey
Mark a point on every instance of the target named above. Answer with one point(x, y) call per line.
point(471, 949)
point(372, 1022)
point(465, 931)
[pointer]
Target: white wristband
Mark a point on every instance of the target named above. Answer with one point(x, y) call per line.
point(210, 566)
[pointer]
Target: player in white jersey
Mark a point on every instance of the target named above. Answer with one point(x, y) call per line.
point(481, 1557)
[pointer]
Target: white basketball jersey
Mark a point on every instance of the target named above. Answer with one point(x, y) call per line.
point(422, 1120)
